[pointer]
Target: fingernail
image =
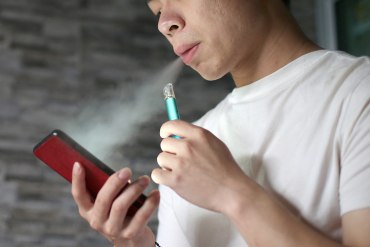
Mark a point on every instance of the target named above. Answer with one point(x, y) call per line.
point(76, 168)
point(143, 181)
point(124, 174)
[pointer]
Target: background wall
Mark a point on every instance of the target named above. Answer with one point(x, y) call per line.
point(55, 57)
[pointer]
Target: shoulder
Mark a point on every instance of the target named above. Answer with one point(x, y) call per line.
point(338, 75)
point(343, 59)
point(346, 66)
point(353, 76)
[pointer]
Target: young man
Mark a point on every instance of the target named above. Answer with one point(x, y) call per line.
point(283, 160)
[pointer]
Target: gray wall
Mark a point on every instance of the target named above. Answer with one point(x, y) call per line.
point(55, 57)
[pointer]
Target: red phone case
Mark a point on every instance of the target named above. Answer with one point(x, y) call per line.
point(60, 152)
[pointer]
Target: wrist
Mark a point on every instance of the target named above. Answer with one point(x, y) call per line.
point(242, 197)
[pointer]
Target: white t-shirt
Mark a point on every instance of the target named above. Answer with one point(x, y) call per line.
point(303, 133)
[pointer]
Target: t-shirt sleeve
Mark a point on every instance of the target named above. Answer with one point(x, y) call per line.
point(355, 150)
point(169, 231)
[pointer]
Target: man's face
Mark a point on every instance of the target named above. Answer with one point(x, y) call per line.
point(214, 37)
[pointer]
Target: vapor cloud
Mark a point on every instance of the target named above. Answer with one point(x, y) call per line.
point(103, 127)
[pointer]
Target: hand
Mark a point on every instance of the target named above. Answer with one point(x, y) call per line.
point(199, 166)
point(107, 214)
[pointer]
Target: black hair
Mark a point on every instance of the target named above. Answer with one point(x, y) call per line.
point(286, 2)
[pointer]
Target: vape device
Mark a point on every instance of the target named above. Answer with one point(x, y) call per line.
point(171, 105)
point(170, 100)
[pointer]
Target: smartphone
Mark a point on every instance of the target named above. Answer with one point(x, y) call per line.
point(60, 152)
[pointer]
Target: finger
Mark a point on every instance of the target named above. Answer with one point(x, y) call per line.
point(108, 193)
point(166, 160)
point(161, 176)
point(79, 191)
point(177, 128)
point(142, 216)
point(170, 145)
point(122, 203)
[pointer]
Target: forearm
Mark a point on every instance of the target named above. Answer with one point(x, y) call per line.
point(264, 221)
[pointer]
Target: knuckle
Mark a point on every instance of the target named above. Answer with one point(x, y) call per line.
point(112, 179)
point(110, 230)
point(118, 208)
point(100, 201)
point(128, 234)
point(82, 213)
point(201, 134)
point(177, 178)
point(94, 224)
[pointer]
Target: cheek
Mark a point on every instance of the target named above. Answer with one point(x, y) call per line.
point(213, 68)
point(218, 50)
point(222, 56)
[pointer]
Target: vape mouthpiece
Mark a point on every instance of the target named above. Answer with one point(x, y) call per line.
point(168, 91)
point(170, 100)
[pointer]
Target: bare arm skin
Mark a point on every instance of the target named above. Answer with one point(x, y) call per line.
point(107, 214)
point(260, 218)
point(263, 221)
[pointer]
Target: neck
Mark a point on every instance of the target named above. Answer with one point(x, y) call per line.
point(285, 44)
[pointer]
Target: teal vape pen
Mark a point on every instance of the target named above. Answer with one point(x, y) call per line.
point(170, 99)
point(171, 105)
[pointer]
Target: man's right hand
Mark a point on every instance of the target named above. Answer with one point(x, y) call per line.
point(107, 214)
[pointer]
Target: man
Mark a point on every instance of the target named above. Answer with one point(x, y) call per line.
point(283, 160)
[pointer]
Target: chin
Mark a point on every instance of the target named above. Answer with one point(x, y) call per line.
point(210, 77)
point(210, 73)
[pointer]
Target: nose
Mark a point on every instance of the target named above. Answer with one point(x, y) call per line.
point(170, 23)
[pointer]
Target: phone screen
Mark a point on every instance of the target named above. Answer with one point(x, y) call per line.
point(60, 152)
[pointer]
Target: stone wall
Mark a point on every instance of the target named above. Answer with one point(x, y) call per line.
point(55, 57)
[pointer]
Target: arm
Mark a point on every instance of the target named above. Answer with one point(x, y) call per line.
point(356, 228)
point(107, 214)
point(269, 223)
point(199, 162)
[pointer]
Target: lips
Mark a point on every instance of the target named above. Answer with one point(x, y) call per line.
point(187, 52)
